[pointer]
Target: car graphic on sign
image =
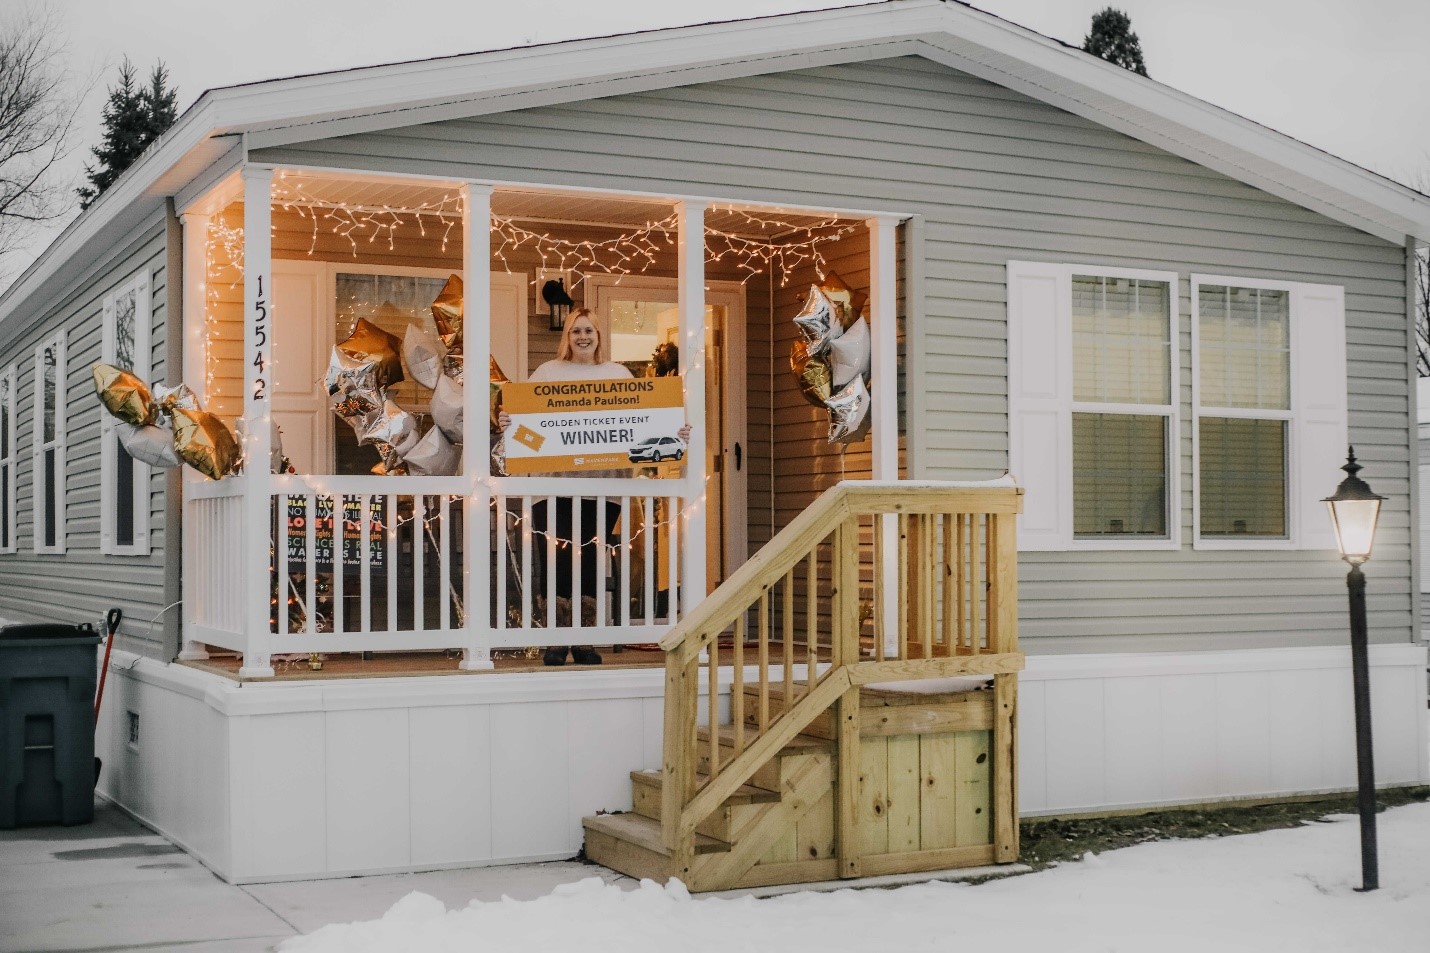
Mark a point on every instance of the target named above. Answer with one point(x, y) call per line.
point(657, 449)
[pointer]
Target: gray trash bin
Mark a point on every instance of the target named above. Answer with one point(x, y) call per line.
point(47, 676)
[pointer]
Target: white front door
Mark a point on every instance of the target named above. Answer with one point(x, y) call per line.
point(303, 336)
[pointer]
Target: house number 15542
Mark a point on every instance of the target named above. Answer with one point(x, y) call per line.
point(260, 343)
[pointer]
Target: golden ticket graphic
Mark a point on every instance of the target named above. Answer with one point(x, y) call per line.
point(559, 426)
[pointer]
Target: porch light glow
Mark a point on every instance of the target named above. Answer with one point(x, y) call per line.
point(1354, 510)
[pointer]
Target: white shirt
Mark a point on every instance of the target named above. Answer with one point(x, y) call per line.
point(571, 371)
point(562, 371)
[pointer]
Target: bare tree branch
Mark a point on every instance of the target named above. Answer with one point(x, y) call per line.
point(38, 107)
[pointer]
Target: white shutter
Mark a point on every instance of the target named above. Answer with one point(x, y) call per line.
point(1318, 328)
point(1040, 401)
point(109, 440)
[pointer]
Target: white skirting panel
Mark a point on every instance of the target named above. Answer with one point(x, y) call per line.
point(1101, 732)
point(299, 780)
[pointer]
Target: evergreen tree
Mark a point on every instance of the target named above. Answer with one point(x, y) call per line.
point(134, 117)
point(1113, 40)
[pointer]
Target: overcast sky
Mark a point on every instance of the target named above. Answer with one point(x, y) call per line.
point(1350, 78)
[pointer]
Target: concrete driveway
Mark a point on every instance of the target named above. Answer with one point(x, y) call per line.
point(116, 885)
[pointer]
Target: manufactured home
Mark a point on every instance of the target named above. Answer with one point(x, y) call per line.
point(1118, 343)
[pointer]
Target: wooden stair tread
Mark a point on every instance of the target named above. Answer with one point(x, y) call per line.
point(747, 794)
point(799, 744)
point(645, 833)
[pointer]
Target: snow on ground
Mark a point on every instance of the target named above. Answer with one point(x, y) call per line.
point(1286, 890)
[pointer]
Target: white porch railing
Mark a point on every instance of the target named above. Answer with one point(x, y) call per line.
point(213, 514)
point(361, 563)
point(626, 568)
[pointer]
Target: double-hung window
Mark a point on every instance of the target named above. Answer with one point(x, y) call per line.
point(1093, 405)
point(9, 437)
point(124, 481)
point(1269, 401)
point(48, 482)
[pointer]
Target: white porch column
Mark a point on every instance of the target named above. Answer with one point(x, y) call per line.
point(476, 423)
point(257, 421)
point(195, 324)
point(884, 393)
point(691, 253)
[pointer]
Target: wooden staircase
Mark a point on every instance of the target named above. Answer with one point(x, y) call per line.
point(826, 775)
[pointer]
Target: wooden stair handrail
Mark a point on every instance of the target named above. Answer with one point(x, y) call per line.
point(683, 806)
point(704, 623)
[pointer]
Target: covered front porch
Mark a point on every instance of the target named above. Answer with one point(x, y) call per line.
point(281, 264)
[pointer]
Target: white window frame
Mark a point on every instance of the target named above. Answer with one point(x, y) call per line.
point(110, 448)
point(38, 446)
point(9, 458)
point(1045, 389)
point(1317, 419)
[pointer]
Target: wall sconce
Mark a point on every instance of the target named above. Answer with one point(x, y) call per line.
point(558, 302)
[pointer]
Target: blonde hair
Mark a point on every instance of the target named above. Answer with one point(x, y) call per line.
point(565, 351)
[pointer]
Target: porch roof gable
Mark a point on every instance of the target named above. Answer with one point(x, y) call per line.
point(211, 137)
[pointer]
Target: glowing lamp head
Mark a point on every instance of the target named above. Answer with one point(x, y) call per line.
point(1354, 508)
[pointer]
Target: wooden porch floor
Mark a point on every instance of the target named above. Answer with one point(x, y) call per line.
point(288, 668)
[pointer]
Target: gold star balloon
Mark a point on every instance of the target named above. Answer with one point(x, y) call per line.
point(124, 395)
point(811, 373)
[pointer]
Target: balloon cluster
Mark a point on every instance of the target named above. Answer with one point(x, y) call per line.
point(364, 366)
point(165, 426)
point(830, 360)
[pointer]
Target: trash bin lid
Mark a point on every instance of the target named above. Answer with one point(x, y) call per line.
point(49, 633)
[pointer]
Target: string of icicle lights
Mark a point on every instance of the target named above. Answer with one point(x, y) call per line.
point(368, 224)
point(794, 244)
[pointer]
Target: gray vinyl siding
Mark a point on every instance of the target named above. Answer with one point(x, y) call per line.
point(81, 585)
point(999, 176)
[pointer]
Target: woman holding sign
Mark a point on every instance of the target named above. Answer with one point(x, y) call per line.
point(580, 357)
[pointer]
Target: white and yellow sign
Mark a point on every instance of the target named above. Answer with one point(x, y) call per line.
point(593, 425)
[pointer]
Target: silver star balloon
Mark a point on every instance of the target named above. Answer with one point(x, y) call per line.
point(848, 410)
point(448, 408)
point(392, 427)
point(433, 455)
point(816, 321)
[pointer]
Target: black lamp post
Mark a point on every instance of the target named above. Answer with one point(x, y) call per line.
point(1354, 511)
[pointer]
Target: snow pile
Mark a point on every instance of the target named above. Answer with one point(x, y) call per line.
point(1289, 890)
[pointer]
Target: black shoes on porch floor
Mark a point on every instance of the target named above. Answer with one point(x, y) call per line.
point(580, 654)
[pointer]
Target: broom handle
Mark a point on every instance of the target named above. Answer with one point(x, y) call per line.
point(111, 623)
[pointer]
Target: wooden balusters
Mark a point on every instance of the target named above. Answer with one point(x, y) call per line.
point(811, 618)
point(737, 687)
point(788, 626)
point(876, 591)
point(712, 709)
point(764, 659)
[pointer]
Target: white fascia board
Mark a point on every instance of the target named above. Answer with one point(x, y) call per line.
point(414, 93)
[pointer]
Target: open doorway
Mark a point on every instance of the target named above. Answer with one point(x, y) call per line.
point(637, 314)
